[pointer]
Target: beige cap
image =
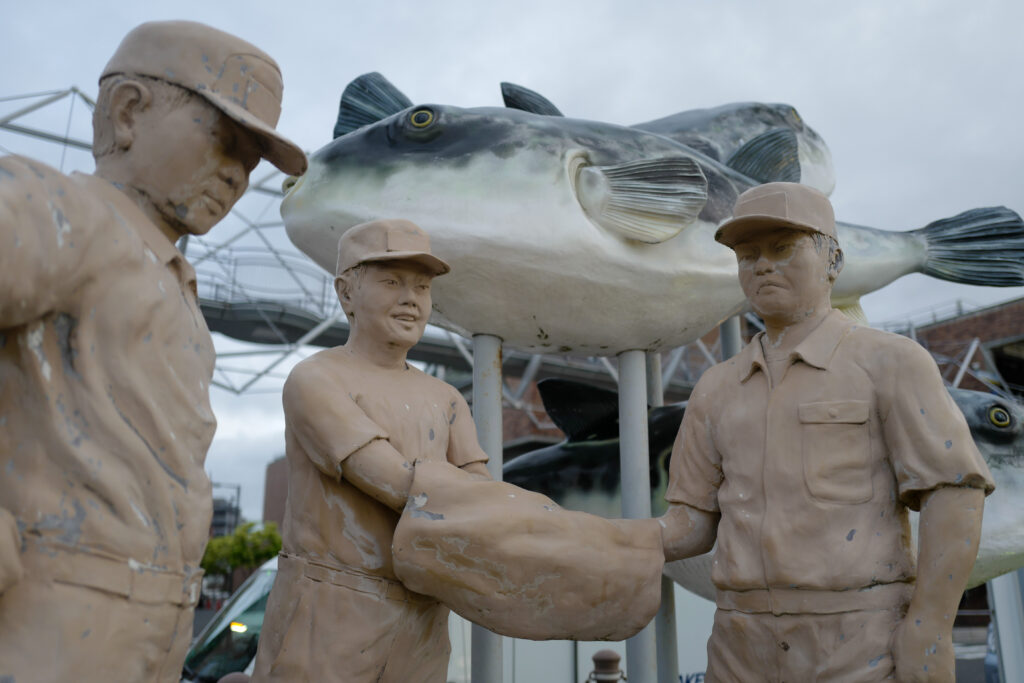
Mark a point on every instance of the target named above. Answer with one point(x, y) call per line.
point(237, 77)
point(387, 240)
point(778, 205)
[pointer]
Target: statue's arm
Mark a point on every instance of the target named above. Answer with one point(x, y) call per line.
point(687, 531)
point(941, 473)
point(464, 449)
point(690, 526)
point(339, 438)
point(948, 536)
point(380, 471)
point(38, 241)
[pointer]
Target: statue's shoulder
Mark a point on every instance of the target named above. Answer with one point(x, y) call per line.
point(874, 339)
point(328, 366)
point(30, 182)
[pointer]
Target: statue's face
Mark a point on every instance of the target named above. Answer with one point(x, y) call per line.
point(390, 302)
point(191, 162)
point(782, 274)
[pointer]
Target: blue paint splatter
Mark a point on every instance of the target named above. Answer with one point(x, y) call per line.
point(849, 536)
point(949, 444)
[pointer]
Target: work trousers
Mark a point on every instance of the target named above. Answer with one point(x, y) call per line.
point(331, 624)
point(55, 632)
point(849, 647)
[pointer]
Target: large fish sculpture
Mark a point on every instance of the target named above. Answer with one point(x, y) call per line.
point(582, 472)
point(575, 236)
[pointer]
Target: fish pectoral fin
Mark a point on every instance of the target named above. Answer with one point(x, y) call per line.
point(524, 99)
point(854, 312)
point(769, 157)
point(649, 200)
point(368, 99)
point(580, 410)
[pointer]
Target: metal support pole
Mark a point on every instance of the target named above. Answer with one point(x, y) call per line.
point(966, 363)
point(641, 653)
point(666, 644)
point(1006, 599)
point(729, 335)
point(485, 649)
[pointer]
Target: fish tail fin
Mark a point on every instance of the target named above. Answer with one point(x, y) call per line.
point(977, 247)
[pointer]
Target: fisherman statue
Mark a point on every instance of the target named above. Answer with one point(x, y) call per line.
point(106, 361)
point(802, 455)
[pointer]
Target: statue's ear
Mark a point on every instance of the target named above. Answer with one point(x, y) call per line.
point(342, 285)
point(127, 99)
point(835, 263)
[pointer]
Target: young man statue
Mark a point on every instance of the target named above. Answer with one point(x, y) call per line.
point(802, 455)
point(106, 361)
point(357, 418)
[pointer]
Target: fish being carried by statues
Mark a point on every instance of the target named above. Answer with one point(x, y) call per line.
point(574, 236)
point(582, 472)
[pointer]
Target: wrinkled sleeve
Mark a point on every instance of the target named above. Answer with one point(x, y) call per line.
point(323, 418)
point(38, 240)
point(11, 571)
point(463, 446)
point(927, 436)
point(695, 469)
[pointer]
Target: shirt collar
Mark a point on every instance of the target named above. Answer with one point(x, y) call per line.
point(815, 350)
point(163, 249)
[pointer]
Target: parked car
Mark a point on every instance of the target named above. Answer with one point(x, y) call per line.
point(228, 642)
point(991, 656)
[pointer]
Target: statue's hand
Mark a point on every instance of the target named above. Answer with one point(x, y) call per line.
point(922, 649)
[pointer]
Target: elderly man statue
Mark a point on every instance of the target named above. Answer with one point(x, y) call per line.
point(802, 456)
point(106, 361)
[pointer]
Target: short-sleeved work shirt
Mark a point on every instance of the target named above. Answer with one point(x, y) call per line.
point(813, 477)
point(334, 405)
point(105, 366)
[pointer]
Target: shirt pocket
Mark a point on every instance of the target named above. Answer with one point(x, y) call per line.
point(836, 449)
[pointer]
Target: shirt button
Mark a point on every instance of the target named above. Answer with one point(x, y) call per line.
point(833, 412)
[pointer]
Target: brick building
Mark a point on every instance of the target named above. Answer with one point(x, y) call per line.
point(985, 347)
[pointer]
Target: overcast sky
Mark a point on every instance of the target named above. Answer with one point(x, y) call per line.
point(920, 101)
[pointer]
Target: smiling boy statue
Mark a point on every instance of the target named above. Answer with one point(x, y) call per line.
point(106, 361)
point(357, 417)
point(802, 454)
point(392, 518)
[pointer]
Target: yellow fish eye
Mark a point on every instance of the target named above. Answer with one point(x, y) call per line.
point(421, 118)
point(999, 417)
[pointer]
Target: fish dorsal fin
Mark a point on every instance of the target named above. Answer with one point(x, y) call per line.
point(769, 157)
point(581, 411)
point(648, 200)
point(518, 97)
point(368, 99)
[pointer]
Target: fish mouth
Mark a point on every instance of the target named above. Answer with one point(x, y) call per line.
point(290, 182)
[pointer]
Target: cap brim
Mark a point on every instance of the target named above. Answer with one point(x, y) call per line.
point(734, 231)
point(429, 260)
point(278, 150)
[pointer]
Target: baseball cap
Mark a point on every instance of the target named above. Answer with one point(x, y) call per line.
point(778, 205)
point(236, 77)
point(392, 239)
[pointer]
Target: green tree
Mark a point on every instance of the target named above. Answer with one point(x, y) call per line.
point(247, 548)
